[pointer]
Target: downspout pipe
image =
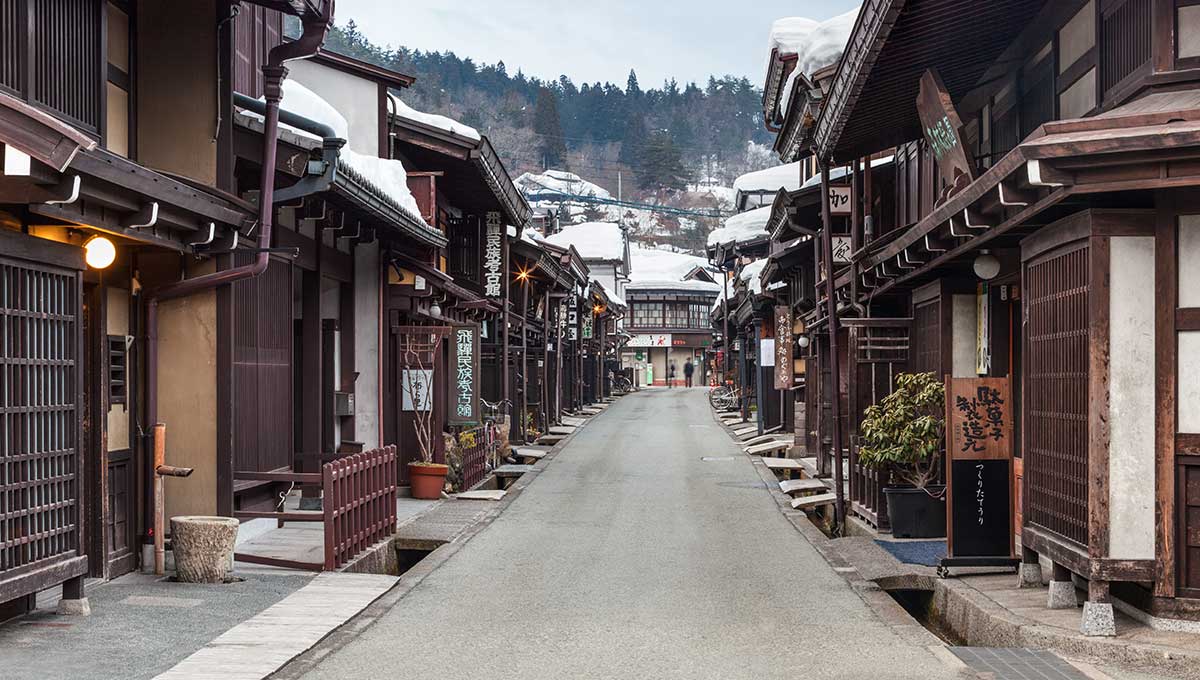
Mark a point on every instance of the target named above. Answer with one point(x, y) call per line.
point(274, 73)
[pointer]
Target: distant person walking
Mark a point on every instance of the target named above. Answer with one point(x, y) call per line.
point(688, 370)
point(671, 375)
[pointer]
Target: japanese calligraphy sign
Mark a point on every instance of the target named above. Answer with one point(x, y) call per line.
point(979, 452)
point(839, 200)
point(572, 318)
point(493, 256)
point(464, 376)
point(783, 347)
point(979, 418)
point(943, 132)
point(586, 325)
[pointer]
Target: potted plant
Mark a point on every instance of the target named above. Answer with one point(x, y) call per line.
point(426, 477)
point(905, 433)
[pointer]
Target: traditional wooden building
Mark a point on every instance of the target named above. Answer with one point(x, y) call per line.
point(1041, 228)
point(112, 268)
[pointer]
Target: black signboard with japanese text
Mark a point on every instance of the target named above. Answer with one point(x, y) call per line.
point(464, 376)
point(979, 479)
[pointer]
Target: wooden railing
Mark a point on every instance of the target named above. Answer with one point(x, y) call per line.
point(358, 507)
point(867, 499)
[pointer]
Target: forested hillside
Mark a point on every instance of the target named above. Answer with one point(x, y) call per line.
point(658, 139)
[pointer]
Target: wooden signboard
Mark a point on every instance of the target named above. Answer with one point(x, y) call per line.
point(464, 376)
point(943, 132)
point(783, 347)
point(979, 473)
point(839, 200)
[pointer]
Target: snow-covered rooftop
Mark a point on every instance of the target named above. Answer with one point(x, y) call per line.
point(742, 227)
point(612, 294)
point(593, 240)
point(651, 269)
point(815, 44)
point(751, 274)
point(433, 120)
point(387, 175)
point(770, 179)
point(841, 170)
point(559, 182)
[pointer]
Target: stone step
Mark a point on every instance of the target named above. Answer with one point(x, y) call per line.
point(792, 486)
point(810, 502)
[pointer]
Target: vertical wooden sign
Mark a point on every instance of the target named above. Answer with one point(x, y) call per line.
point(942, 129)
point(783, 347)
point(979, 488)
point(464, 376)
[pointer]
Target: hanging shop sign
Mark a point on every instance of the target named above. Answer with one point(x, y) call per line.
point(839, 200)
point(842, 249)
point(572, 318)
point(783, 347)
point(943, 132)
point(416, 388)
point(979, 472)
point(586, 324)
point(650, 340)
point(493, 256)
point(464, 372)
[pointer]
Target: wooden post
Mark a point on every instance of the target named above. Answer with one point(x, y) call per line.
point(160, 451)
point(834, 368)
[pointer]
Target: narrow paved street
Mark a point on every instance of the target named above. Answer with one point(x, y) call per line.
point(630, 557)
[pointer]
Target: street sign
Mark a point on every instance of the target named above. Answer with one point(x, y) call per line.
point(979, 487)
point(464, 376)
point(943, 132)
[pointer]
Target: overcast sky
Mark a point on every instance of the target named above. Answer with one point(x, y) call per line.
point(594, 40)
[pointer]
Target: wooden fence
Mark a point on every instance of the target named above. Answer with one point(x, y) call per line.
point(478, 445)
point(358, 507)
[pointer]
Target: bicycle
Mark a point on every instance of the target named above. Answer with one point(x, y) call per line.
point(622, 384)
point(725, 397)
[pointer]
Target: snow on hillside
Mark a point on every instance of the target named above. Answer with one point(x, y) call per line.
point(557, 183)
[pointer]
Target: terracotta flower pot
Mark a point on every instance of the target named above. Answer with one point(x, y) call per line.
point(428, 480)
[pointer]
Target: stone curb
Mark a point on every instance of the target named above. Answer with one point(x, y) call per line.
point(347, 632)
point(970, 613)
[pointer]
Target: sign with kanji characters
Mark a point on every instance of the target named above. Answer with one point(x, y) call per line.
point(783, 347)
point(464, 376)
point(493, 256)
point(572, 318)
point(839, 200)
point(842, 249)
point(650, 340)
point(979, 486)
point(943, 132)
point(586, 325)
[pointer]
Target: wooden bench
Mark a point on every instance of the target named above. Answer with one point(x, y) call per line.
point(763, 439)
point(794, 486)
point(788, 466)
point(776, 446)
point(810, 502)
point(745, 430)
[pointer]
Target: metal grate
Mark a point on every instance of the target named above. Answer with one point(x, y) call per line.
point(1056, 393)
point(39, 418)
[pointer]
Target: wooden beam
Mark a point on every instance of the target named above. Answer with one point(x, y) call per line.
point(1165, 319)
point(1098, 396)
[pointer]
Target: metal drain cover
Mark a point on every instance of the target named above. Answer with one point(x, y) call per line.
point(743, 485)
point(718, 459)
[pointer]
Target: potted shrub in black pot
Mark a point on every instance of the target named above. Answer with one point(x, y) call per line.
point(905, 432)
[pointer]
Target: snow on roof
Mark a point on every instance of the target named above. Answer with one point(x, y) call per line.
point(612, 294)
point(815, 44)
point(745, 226)
point(752, 275)
point(841, 170)
point(559, 182)
point(660, 265)
point(433, 120)
point(593, 240)
point(770, 179)
point(387, 175)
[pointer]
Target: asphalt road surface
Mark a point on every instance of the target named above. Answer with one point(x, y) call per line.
point(630, 557)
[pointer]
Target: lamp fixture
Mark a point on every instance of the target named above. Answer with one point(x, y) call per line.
point(803, 342)
point(986, 265)
point(435, 310)
point(99, 252)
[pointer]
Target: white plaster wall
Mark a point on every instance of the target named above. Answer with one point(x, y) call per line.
point(117, 323)
point(1189, 251)
point(1131, 398)
point(964, 331)
point(366, 345)
point(1188, 419)
point(355, 98)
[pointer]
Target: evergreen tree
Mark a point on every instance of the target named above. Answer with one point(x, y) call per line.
point(661, 165)
point(632, 89)
point(548, 126)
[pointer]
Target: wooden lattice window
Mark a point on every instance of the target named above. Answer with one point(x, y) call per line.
point(117, 369)
point(1056, 392)
point(39, 414)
